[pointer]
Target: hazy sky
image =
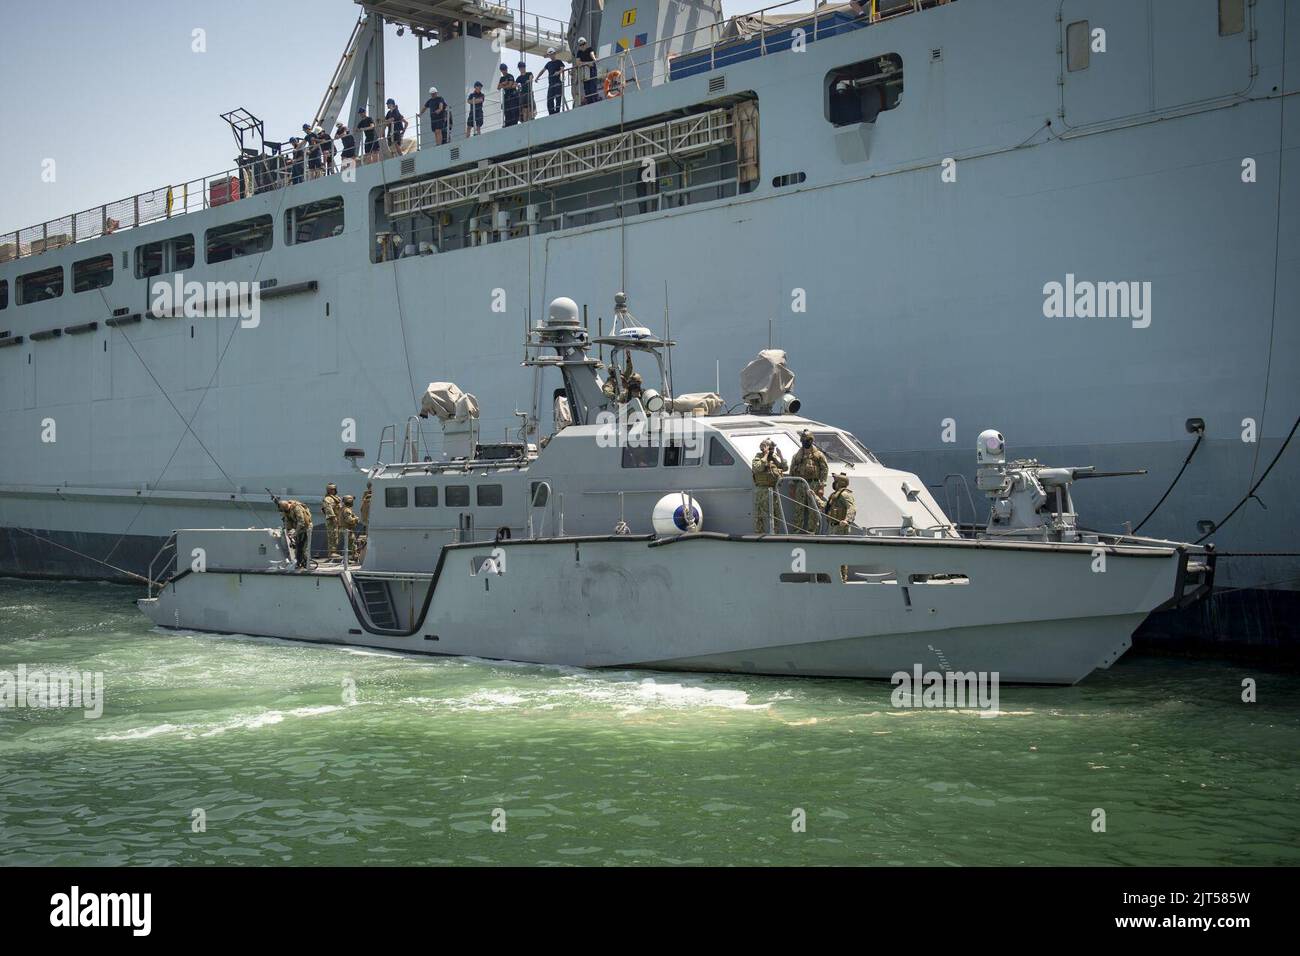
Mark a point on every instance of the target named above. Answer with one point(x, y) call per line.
point(113, 93)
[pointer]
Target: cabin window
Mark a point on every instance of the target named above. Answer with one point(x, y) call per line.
point(426, 496)
point(640, 457)
point(805, 577)
point(489, 496)
point(151, 258)
point(680, 453)
point(314, 220)
point(859, 92)
point(1232, 17)
point(38, 286)
point(182, 253)
point(244, 238)
point(92, 273)
point(718, 453)
point(4, 293)
point(148, 260)
point(837, 449)
point(395, 497)
point(1077, 46)
point(458, 496)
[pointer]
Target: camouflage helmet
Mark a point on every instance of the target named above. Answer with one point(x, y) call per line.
point(331, 488)
point(805, 433)
point(348, 499)
point(634, 378)
point(282, 505)
point(841, 480)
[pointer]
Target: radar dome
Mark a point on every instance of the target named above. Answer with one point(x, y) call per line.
point(562, 311)
point(677, 513)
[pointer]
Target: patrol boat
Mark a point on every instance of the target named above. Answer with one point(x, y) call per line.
point(626, 538)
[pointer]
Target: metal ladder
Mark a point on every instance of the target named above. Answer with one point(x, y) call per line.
point(379, 604)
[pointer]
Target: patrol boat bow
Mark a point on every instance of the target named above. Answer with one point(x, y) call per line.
point(625, 538)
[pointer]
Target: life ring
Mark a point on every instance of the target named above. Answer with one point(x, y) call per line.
point(613, 84)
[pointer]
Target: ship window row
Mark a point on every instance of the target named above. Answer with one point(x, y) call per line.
point(677, 454)
point(87, 275)
point(305, 223)
point(455, 496)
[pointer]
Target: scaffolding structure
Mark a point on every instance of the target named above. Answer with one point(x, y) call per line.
point(606, 154)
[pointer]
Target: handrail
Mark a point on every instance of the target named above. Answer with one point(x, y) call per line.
point(232, 184)
point(170, 542)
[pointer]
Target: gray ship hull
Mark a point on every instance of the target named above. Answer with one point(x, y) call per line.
point(1032, 613)
point(924, 298)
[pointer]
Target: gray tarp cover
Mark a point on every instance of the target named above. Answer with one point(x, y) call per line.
point(696, 403)
point(764, 380)
point(446, 401)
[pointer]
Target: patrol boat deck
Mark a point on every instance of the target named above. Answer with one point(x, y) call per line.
point(626, 539)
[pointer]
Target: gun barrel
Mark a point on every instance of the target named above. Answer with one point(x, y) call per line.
point(1110, 474)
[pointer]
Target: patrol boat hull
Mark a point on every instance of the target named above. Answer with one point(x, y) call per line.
point(1042, 613)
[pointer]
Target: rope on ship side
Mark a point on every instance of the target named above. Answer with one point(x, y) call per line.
point(1253, 488)
point(82, 554)
point(1186, 462)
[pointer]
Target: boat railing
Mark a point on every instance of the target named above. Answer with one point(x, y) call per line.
point(168, 545)
point(694, 51)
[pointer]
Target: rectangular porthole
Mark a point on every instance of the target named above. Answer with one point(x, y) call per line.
point(805, 577)
point(867, 574)
point(1077, 50)
point(426, 496)
point(860, 92)
point(395, 497)
point(938, 577)
point(1232, 17)
point(458, 496)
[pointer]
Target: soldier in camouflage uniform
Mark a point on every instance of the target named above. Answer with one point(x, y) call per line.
point(365, 506)
point(332, 507)
point(841, 508)
point(297, 528)
point(768, 467)
point(810, 465)
point(348, 520)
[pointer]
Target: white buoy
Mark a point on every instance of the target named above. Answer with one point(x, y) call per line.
point(677, 513)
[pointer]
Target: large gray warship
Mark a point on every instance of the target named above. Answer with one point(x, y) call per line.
point(1074, 218)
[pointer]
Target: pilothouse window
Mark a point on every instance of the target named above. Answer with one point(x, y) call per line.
point(718, 453)
point(859, 92)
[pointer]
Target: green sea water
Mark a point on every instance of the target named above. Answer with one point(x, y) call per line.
point(300, 754)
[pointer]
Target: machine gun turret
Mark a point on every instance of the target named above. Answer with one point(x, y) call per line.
point(1027, 496)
